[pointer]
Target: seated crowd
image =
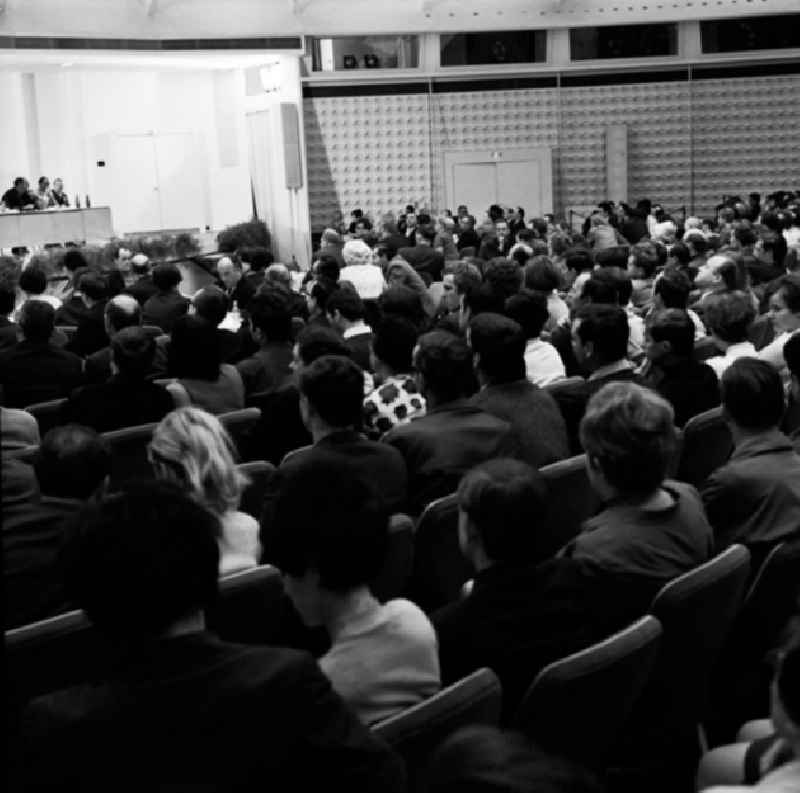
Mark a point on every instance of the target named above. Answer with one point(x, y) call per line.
point(419, 361)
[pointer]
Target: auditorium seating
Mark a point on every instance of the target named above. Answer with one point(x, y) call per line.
point(417, 732)
point(47, 414)
point(706, 445)
point(578, 706)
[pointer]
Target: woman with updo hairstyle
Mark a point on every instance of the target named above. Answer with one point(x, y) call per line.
point(191, 447)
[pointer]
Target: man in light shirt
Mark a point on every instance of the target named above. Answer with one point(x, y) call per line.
point(785, 312)
point(728, 316)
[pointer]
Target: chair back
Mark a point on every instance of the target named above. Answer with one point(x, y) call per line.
point(395, 574)
point(571, 500)
point(707, 444)
point(578, 706)
point(570, 395)
point(240, 424)
point(697, 611)
point(417, 732)
point(129, 453)
point(153, 331)
point(47, 414)
point(259, 473)
point(440, 569)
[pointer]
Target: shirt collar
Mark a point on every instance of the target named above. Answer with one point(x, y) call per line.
point(622, 365)
point(358, 329)
point(740, 348)
point(773, 440)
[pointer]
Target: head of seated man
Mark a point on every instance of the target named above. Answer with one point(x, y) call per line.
point(753, 400)
point(670, 336)
point(672, 290)
point(132, 353)
point(37, 321)
point(229, 270)
point(345, 309)
point(211, 304)
point(330, 534)
point(331, 396)
point(73, 462)
point(194, 352)
point(498, 349)
point(728, 316)
point(122, 311)
point(166, 278)
point(315, 341)
point(443, 364)
point(600, 337)
point(33, 280)
point(271, 315)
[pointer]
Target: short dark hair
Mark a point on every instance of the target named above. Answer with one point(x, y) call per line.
point(507, 501)
point(258, 258)
point(133, 350)
point(680, 252)
point(166, 277)
point(445, 361)
point(484, 299)
point(529, 310)
point(790, 289)
point(675, 326)
point(645, 257)
point(315, 341)
point(328, 266)
point(73, 260)
point(328, 519)
point(393, 343)
point(425, 232)
point(500, 343)
point(37, 320)
point(93, 285)
point(72, 462)
point(612, 257)
point(8, 298)
point(212, 304)
point(33, 280)
point(334, 387)
point(347, 302)
point(402, 301)
point(119, 317)
point(504, 276)
point(673, 287)
point(541, 274)
point(142, 558)
point(579, 259)
point(729, 315)
point(791, 354)
point(600, 289)
point(606, 326)
point(194, 351)
point(630, 431)
point(271, 312)
point(752, 394)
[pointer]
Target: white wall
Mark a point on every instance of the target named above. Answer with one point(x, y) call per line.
point(13, 141)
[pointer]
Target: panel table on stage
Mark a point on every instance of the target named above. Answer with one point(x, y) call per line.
point(55, 225)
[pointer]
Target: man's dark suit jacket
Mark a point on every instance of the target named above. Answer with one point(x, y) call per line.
point(280, 429)
point(536, 422)
point(754, 499)
point(634, 229)
point(33, 372)
point(142, 289)
point(268, 369)
point(394, 242)
point(195, 713)
point(32, 540)
point(90, 335)
point(429, 263)
point(117, 403)
point(440, 447)
point(360, 347)
point(8, 334)
point(163, 309)
point(690, 387)
point(519, 618)
point(72, 311)
point(380, 468)
point(468, 239)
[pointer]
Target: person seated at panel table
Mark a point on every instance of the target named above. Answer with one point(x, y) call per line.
point(180, 705)
point(43, 198)
point(35, 370)
point(167, 305)
point(73, 465)
point(127, 398)
point(57, 195)
point(19, 196)
point(330, 533)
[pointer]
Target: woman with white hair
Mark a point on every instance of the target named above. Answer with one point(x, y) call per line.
point(192, 448)
point(361, 271)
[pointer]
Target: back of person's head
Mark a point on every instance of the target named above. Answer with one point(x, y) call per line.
point(529, 310)
point(673, 287)
point(483, 759)
point(133, 351)
point(327, 266)
point(94, 286)
point(258, 258)
point(506, 501)
point(141, 559)
point(402, 301)
point(73, 462)
point(482, 299)
point(628, 433)
point(600, 288)
point(393, 342)
point(606, 328)
point(194, 351)
point(74, 259)
point(541, 274)
point(504, 276)
point(191, 448)
point(278, 275)
point(645, 258)
point(123, 311)
point(211, 303)
point(579, 259)
point(315, 341)
point(347, 303)
point(499, 344)
point(728, 315)
point(612, 257)
point(328, 520)
point(166, 277)
point(673, 325)
point(333, 387)
point(33, 280)
point(752, 394)
point(681, 253)
point(37, 320)
point(271, 313)
point(445, 362)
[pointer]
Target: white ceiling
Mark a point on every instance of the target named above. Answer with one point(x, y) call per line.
point(223, 18)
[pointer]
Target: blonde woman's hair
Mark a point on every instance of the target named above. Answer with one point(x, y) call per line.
point(191, 447)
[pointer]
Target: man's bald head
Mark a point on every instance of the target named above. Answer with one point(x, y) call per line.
point(279, 274)
point(122, 311)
